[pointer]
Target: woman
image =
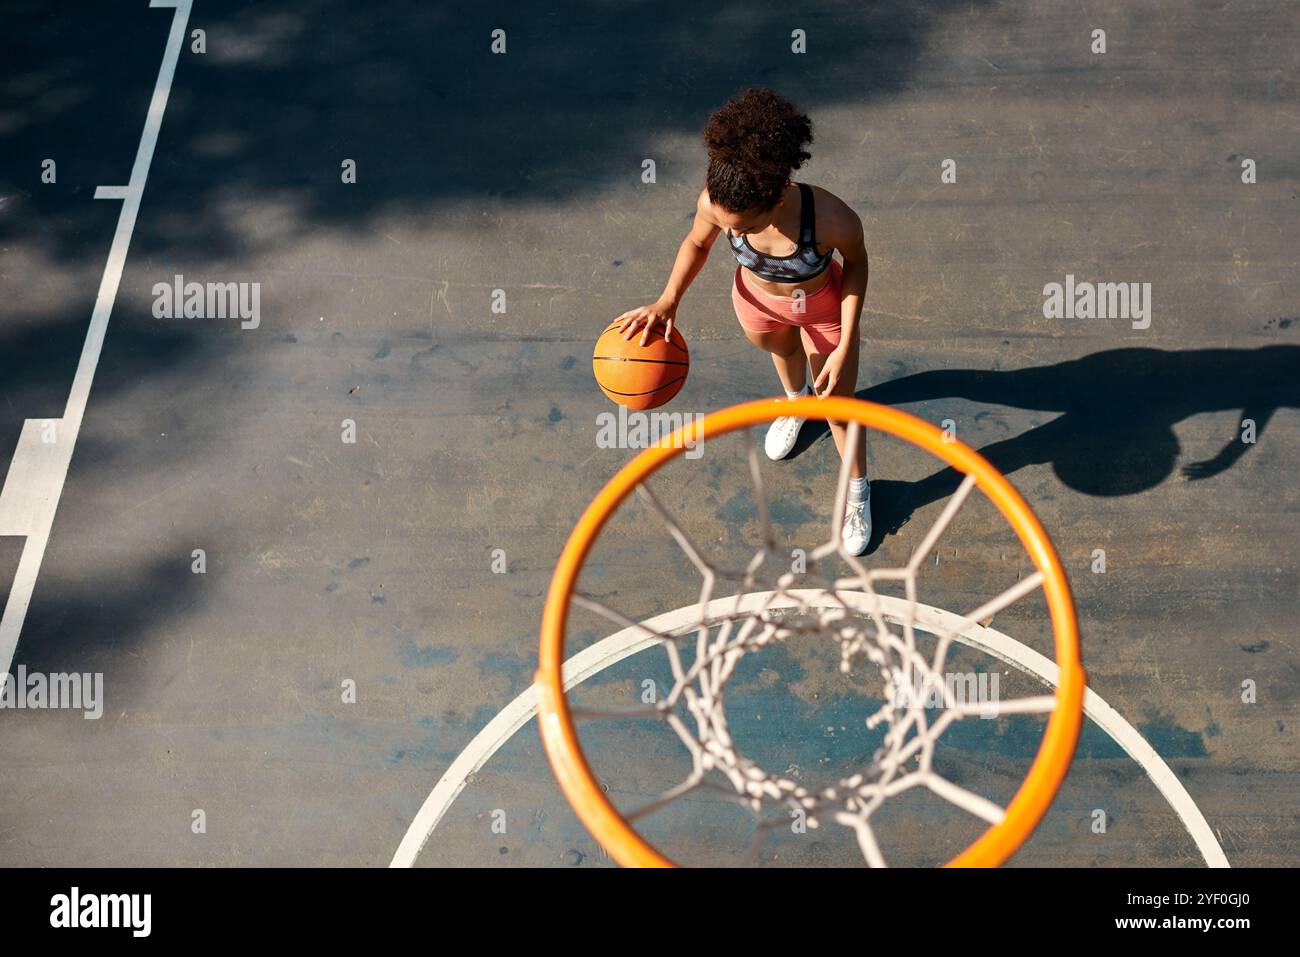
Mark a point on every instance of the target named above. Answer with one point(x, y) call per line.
point(792, 299)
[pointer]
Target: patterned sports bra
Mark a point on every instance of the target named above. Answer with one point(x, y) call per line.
point(801, 265)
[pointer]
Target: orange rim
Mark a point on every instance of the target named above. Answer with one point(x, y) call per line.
point(560, 737)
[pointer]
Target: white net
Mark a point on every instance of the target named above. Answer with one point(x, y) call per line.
point(919, 702)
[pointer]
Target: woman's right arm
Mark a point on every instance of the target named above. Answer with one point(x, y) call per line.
point(691, 256)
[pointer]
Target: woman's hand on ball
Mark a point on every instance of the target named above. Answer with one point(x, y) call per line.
point(645, 318)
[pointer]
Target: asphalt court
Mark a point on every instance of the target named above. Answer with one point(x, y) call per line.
point(372, 562)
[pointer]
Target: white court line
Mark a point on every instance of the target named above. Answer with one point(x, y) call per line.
point(629, 641)
point(40, 464)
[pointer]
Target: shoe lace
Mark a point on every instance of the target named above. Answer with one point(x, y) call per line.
point(853, 522)
point(786, 423)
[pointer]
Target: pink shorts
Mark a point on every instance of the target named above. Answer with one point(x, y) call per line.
point(819, 323)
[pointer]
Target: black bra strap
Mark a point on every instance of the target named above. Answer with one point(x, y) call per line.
point(807, 215)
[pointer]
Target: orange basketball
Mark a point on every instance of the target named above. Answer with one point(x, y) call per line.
point(637, 376)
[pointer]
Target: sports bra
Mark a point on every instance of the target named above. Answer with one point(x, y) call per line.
point(801, 265)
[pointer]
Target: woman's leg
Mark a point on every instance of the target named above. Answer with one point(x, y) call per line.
point(766, 329)
point(786, 348)
point(847, 385)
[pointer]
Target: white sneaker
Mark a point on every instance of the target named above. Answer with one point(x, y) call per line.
point(782, 434)
point(857, 525)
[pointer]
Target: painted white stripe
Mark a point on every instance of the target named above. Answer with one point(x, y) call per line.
point(38, 470)
point(30, 491)
point(629, 641)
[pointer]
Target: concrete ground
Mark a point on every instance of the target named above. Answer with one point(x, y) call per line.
point(332, 565)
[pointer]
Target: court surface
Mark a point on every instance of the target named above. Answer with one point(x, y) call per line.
point(411, 564)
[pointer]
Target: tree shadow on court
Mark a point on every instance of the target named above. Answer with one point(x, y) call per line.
point(1114, 431)
point(96, 623)
point(120, 594)
point(39, 355)
point(412, 91)
point(443, 133)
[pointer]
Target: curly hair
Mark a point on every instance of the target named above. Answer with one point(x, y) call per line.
point(755, 141)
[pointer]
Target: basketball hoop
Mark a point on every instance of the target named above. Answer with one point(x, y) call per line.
point(905, 761)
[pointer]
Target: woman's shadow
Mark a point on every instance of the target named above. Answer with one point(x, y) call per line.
point(1114, 431)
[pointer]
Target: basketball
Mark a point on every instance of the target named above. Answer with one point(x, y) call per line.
point(637, 376)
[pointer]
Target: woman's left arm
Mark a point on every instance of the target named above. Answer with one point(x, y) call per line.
point(844, 232)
